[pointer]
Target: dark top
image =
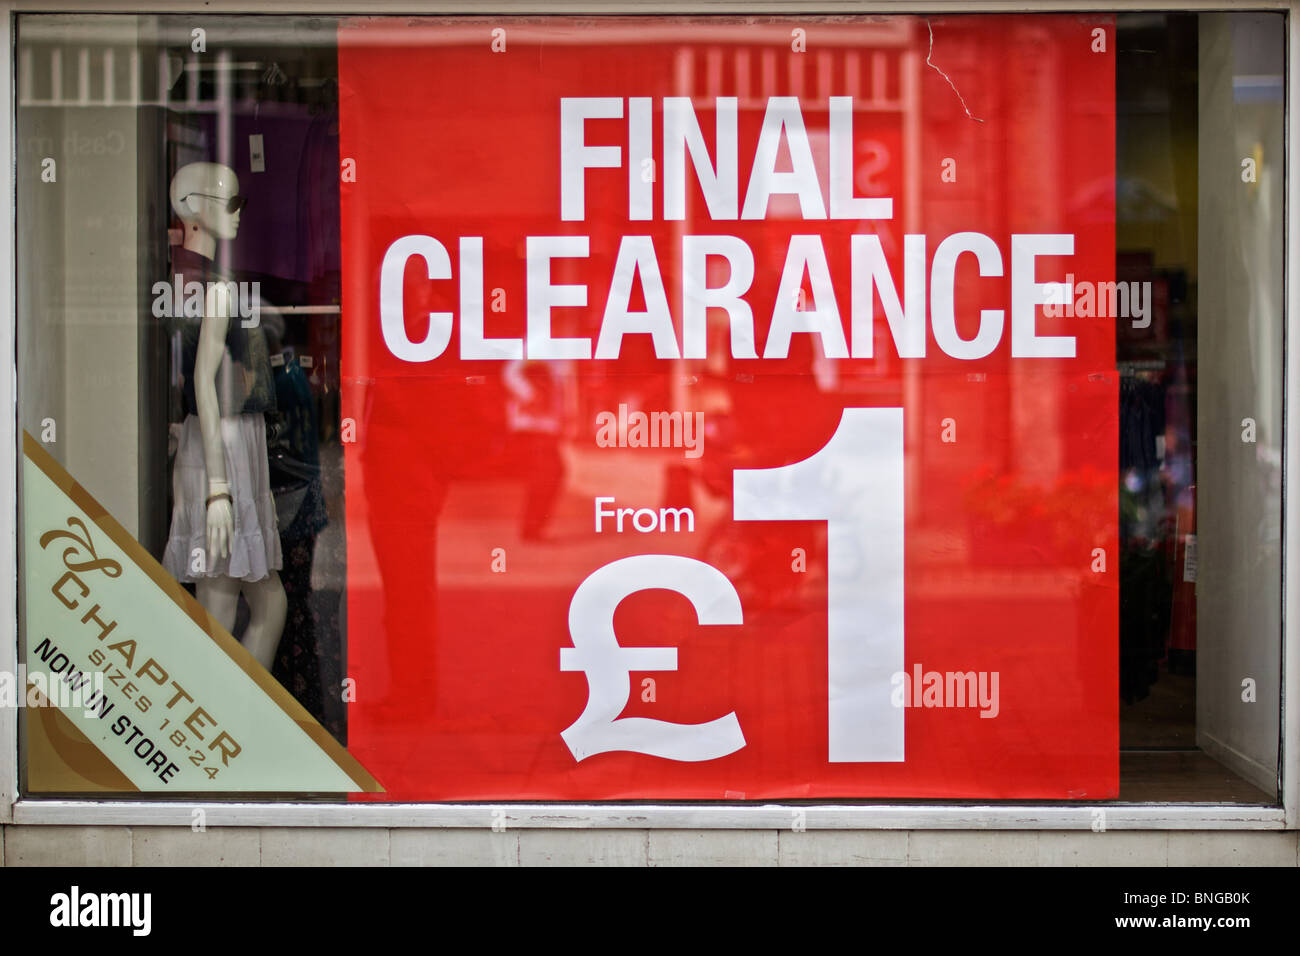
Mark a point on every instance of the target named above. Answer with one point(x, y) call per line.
point(295, 456)
point(243, 382)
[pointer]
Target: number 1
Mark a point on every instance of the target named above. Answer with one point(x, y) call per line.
point(855, 484)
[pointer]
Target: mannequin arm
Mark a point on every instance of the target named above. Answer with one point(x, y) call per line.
point(212, 344)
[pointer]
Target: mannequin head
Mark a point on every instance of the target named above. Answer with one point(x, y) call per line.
point(201, 195)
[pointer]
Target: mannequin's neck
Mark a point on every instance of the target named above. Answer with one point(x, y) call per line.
point(200, 241)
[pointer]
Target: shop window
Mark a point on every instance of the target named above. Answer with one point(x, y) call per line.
point(651, 408)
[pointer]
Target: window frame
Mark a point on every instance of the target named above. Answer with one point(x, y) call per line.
point(1046, 815)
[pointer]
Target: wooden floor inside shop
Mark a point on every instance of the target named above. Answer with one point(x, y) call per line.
point(1159, 760)
point(1183, 776)
point(1165, 719)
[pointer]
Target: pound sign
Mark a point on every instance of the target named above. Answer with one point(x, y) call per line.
point(608, 665)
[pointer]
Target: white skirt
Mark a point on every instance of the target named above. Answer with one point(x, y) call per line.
point(255, 543)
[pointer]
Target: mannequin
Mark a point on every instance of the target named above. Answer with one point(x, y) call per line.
point(224, 536)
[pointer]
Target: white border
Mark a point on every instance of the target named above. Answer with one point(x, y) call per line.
point(629, 7)
point(772, 816)
point(8, 436)
point(1116, 816)
point(1290, 757)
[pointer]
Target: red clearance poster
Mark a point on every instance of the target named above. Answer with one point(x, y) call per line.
point(724, 415)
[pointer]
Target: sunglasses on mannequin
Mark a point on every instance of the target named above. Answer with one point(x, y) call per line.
point(233, 203)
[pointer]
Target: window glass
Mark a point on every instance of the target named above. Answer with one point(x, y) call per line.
point(651, 408)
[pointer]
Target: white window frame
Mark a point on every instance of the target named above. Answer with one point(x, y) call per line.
point(955, 815)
